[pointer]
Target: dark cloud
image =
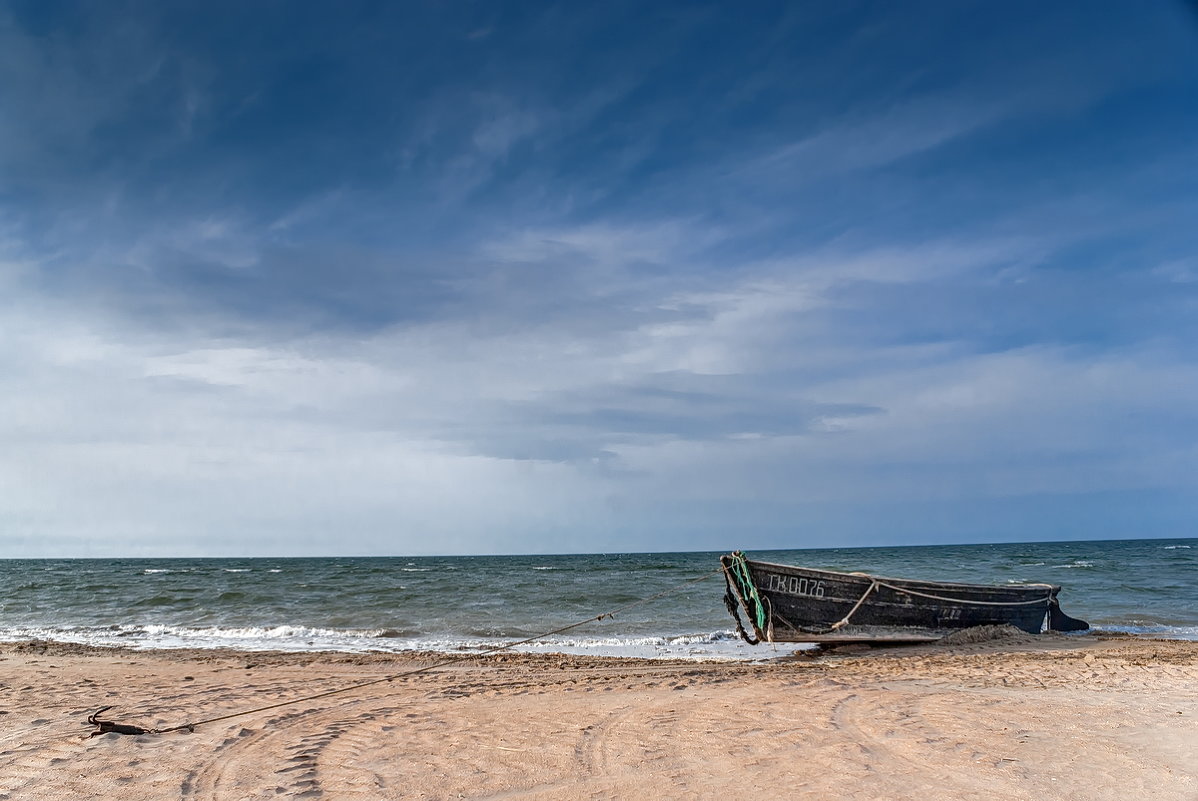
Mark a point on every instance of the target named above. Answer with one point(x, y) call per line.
point(584, 425)
point(409, 141)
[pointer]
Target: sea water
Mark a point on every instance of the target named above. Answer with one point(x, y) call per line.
point(464, 603)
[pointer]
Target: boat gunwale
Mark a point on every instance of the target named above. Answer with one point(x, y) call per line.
point(1055, 588)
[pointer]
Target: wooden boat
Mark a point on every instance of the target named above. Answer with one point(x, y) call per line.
point(799, 604)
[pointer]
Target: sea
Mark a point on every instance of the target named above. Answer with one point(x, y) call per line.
point(462, 604)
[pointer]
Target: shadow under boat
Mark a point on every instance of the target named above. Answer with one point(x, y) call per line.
point(785, 603)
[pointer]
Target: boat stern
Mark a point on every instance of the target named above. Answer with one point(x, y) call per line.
point(1058, 620)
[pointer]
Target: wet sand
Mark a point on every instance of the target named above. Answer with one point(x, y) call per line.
point(1018, 718)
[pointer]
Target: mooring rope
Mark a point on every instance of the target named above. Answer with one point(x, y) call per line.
point(970, 601)
point(876, 582)
point(730, 604)
point(844, 621)
point(191, 725)
point(761, 610)
point(740, 572)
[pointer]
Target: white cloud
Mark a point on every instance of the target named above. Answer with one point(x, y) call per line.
point(1178, 271)
point(118, 437)
point(429, 437)
point(906, 130)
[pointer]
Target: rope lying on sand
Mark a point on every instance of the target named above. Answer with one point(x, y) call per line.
point(106, 726)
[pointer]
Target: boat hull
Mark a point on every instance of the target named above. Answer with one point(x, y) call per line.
point(802, 601)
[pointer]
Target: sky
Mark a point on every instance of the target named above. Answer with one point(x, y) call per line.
point(299, 278)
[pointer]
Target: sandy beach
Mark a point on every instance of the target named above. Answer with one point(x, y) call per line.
point(1017, 718)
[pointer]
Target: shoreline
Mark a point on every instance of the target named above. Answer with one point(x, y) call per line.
point(1008, 640)
point(696, 648)
point(1096, 717)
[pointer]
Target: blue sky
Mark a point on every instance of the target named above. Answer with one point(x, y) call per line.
point(382, 278)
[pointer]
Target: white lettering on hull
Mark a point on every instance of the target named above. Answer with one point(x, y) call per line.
point(796, 585)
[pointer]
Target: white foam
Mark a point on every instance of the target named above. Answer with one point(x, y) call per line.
point(721, 645)
point(1154, 630)
point(278, 638)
